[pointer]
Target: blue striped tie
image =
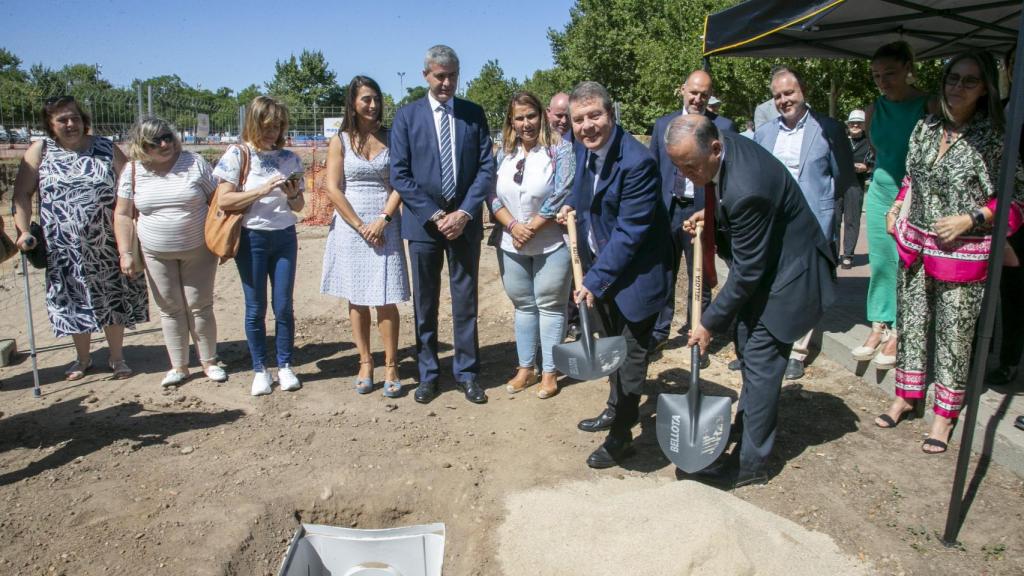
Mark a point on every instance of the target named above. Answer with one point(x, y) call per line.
point(447, 167)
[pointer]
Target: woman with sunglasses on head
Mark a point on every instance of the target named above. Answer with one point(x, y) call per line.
point(171, 189)
point(535, 172)
point(75, 174)
point(944, 240)
point(268, 247)
point(890, 120)
point(364, 260)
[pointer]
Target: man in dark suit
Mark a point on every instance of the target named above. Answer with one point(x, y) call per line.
point(622, 226)
point(781, 279)
point(442, 167)
point(681, 198)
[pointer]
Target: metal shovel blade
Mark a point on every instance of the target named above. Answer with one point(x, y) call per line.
point(589, 358)
point(693, 430)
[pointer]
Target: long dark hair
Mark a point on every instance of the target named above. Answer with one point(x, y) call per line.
point(349, 123)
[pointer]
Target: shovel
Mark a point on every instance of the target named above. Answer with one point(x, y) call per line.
point(693, 430)
point(588, 358)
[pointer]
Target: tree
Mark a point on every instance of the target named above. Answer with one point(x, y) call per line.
point(492, 91)
point(306, 81)
point(413, 94)
point(10, 67)
point(546, 83)
point(248, 94)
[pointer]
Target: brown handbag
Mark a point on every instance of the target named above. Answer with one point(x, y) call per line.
point(223, 227)
point(138, 264)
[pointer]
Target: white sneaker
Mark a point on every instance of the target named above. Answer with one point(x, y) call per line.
point(261, 382)
point(173, 378)
point(216, 373)
point(289, 381)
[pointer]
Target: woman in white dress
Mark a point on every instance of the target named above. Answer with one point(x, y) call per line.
point(364, 260)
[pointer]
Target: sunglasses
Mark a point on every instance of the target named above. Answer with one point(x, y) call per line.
point(518, 178)
point(968, 82)
point(165, 138)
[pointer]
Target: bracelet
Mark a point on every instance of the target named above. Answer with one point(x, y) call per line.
point(511, 225)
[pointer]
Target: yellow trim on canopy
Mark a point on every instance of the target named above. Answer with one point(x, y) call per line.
point(768, 33)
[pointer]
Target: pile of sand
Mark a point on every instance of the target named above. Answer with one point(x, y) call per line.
point(653, 526)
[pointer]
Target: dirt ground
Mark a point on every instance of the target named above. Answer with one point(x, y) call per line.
point(112, 477)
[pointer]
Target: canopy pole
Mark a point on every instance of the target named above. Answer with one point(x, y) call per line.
point(975, 382)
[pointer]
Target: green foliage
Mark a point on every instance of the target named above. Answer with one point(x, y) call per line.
point(413, 94)
point(305, 81)
point(491, 90)
point(546, 83)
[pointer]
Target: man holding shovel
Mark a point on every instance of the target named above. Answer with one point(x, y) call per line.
point(624, 245)
point(781, 280)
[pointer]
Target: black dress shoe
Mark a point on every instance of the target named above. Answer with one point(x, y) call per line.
point(474, 393)
point(602, 421)
point(572, 334)
point(736, 365)
point(425, 392)
point(610, 453)
point(1002, 376)
point(727, 474)
point(794, 370)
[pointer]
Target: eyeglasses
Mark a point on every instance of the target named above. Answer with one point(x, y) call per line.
point(968, 82)
point(165, 138)
point(518, 178)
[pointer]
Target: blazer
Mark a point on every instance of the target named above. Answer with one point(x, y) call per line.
point(416, 167)
point(826, 164)
point(666, 169)
point(633, 266)
point(783, 267)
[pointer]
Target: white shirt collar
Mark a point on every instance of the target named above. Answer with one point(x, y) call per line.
point(434, 103)
point(602, 152)
point(799, 123)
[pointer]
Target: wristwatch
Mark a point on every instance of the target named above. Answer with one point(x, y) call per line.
point(385, 217)
point(978, 217)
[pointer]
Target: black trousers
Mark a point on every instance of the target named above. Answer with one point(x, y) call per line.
point(1011, 303)
point(633, 372)
point(682, 246)
point(764, 364)
point(847, 218)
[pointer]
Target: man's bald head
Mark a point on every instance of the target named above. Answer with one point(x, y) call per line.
point(694, 146)
point(696, 92)
point(558, 113)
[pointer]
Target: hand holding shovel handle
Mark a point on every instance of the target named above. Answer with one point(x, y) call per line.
point(574, 252)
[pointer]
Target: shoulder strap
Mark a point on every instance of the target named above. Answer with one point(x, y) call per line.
point(243, 165)
point(133, 180)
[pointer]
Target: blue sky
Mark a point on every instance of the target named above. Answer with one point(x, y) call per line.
point(236, 43)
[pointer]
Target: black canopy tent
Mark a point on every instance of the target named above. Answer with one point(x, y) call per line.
point(934, 29)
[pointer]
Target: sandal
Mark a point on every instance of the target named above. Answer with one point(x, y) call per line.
point(935, 444)
point(548, 386)
point(121, 370)
point(864, 353)
point(890, 423)
point(524, 378)
point(76, 370)
point(365, 385)
point(392, 388)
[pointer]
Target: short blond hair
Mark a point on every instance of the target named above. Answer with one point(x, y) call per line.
point(265, 111)
point(144, 132)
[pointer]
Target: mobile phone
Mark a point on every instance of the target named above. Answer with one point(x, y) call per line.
point(296, 176)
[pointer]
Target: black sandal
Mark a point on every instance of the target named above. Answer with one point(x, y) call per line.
point(933, 442)
point(890, 423)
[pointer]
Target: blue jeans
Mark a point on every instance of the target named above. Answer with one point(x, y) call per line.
point(539, 288)
point(263, 254)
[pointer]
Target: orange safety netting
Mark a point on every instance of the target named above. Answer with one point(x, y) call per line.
point(319, 209)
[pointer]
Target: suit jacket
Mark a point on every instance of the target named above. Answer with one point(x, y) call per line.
point(783, 267)
point(765, 112)
point(826, 164)
point(416, 167)
point(665, 166)
point(633, 266)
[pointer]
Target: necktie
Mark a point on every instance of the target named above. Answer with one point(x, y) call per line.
point(590, 178)
point(447, 166)
point(708, 235)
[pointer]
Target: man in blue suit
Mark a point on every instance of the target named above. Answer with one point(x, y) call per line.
point(681, 198)
point(622, 226)
point(781, 279)
point(442, 167)
point(817, 153)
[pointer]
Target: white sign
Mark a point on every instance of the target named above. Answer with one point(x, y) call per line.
point(331, 127)
point(202, 125)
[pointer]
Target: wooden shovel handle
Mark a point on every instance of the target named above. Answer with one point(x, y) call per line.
point(574, 251)
point(698, 277)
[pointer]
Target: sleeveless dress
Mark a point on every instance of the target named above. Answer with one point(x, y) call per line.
point(891, 126)
point(365, 275)
point(85, 289)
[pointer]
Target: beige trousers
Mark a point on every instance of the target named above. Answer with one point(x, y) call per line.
point(181, 284)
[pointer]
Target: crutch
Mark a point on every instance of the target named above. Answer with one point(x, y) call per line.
point(36, 390)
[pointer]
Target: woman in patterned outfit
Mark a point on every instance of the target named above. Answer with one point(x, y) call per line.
point(944, 240)
point(75, 174)
point(364, 259)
